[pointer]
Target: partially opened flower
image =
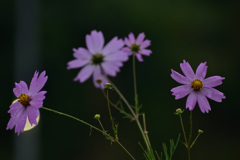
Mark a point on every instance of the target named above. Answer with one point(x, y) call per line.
point(28, 102)
point(98, 60)
point(197, 87)
point(137, 46)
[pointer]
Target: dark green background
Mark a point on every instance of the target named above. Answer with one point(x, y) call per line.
point(194, 31)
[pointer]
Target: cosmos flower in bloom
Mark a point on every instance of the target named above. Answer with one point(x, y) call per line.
point(137, 46)
point(28, 102)
point(197, 87)
point(98, 59)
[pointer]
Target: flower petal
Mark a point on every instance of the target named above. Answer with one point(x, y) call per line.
point(95, 41)
point(131, 38)
point(201, 71)
point(145, 52)
point(203, 103)
point(140, 38)
point(181, 91)
point(191, 100)
point(180, 78)
point(20, 87)
point(117, 56)
point(114, 45)
point(187, 70)
point(85, 73)
point(98, 75)
point(213, 94)
point(37, 83)
point(20, 124)
point(82, 53)
point(139, 57)
point(37, 100)
point(33, 113)
point(145, 44)
point(77, 63)
point(127, 42)
point(213, 81)
point(110, 68)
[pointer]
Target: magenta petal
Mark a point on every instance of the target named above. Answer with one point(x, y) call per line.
point(213, 81)
point(139, 57)
point(131, 38)
point(37, 100)
point(20, 124)
point(181, 91)
point(77, 63)
point(95, 41)
point(146, 52)
point(20, 87)
point(203, 103)
point(191, 100)
point(140, 38)
point(114, 45)
point(15, 116)
point(117, 56)
point(187, 70)
point(37, 83)
point(201, 71)
point(213, 94)
point(110, 68)
point(127, 42)
point(33, 113)
point(85, 73)
point(179, 78)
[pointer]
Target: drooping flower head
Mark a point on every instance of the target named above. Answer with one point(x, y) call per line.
point(137, 46)
point(28, 102)
point(98, 59)
point(197, 87)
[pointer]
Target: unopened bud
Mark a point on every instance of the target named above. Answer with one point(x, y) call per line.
point(200, 131)
point(179, 111)
point(97, 116)
point(108, 86)
point(99, 80)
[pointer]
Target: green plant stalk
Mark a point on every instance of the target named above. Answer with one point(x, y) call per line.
point(101, 125)
point(135, 84)
point(97, 129)
point(110, 114)
point(195, 140)
point(134, 116)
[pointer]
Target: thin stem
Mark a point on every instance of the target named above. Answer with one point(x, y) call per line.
point(125, 150)
point(101, 125)
point(195, 140)
point(135, 84)
point(184, 134)
point(110, 114)
point(115, 106)
point(190, 131)
point(79, 120)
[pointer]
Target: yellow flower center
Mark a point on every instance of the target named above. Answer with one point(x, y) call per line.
point(24, 99)
point(135, 48)
point(197, 84)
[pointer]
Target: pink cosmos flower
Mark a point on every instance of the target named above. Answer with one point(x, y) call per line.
point(28, 102)
point(98, 59)
point(137, 46)
point(197, 87)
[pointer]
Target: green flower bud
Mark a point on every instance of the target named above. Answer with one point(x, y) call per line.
point(200, 131)
point(99, 80)
point(97, 116)
point(108, 86)
point(179, 111)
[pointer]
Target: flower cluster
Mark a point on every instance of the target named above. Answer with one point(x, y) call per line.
point(101, 61)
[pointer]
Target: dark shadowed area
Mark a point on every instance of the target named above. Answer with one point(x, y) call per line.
point(43, 38)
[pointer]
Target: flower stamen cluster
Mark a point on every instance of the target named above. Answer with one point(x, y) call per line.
point(197, 84)
point(24, 99)
point(97, 59)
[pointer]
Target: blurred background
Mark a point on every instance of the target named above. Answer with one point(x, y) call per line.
point(40, 35)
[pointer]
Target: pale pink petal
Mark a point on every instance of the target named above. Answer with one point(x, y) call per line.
point(77, 63)
point(213, 81)
point(95, 41)
point(131, 38)
point(82, 53)
point(127, 50)
point(145, 52)
point(140, 38)
point(203, 103)
point(20, 87)
point(187, 70)
point(85, 73)
point(37, 100)
point(15, 116)
point(98, 75)
point(109, 68)
point(191, 100)
point(117, 56)
point(145, 44)
point(181, 91)
point(213, 94)
point(127, 42)
point(139, 57)
point(201, 71)
point(114, 45)
point(33, 113)
point(180, 78)
point(37, 83)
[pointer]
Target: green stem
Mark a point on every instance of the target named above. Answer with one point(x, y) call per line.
point(184, 134)
point(195, 140)
point(110, 114)
point(190, 131)
point(125, 150)
point(135, 84)
point(101, 125)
